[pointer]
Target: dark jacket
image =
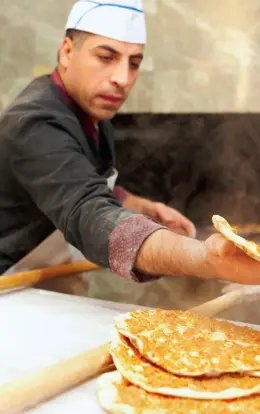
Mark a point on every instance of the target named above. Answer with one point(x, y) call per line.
point(53, 176)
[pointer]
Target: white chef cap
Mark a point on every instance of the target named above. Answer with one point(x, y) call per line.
point(122, 20)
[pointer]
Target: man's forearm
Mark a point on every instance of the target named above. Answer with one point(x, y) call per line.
point(166, 253)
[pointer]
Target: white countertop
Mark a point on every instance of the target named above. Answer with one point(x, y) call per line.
point(40, 328)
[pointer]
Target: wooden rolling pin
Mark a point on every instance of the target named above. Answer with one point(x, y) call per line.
point(39, 387)
point(237, 296)
point(31, 277)
point(36, 388)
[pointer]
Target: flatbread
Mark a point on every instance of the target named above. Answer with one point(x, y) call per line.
point(187, 344)
point(118, 396)
point(230, 233)
point(249, 228)
point(151, 378)
point(242, 229)
point(254, 374)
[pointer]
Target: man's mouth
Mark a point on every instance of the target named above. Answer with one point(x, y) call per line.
point(114, 99)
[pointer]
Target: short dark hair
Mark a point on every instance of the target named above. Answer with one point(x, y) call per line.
point(76, 36)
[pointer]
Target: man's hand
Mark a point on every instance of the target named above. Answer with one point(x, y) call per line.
point(173, 219)
point(230, 262)
point(165, 215)
point(170, 254)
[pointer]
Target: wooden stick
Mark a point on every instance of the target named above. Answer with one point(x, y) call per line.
point(36, 388)
point(246, 294)
point(31, 277)
point(231, 286)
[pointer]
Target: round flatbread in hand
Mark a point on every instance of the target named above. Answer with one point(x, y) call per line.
point(249, 247)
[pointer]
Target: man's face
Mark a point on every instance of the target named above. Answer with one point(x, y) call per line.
point(100, 73)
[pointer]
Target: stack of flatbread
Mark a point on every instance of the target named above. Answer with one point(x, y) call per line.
point(180, 362)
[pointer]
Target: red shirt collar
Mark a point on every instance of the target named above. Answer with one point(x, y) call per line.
point(85, 121)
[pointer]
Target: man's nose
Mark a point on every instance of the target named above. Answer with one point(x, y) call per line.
point(120, 75)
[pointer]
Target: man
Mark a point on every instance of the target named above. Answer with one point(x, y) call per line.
point(57, 162)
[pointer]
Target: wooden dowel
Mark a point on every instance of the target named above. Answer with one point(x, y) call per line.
point(31, 277)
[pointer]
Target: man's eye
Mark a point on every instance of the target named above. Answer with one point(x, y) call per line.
point(105, 58)
point(135, 65)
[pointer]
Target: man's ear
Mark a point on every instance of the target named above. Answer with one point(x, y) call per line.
point(66, 52)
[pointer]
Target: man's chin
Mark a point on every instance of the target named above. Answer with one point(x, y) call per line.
point(106, 114)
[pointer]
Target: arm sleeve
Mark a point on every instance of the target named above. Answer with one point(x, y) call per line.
point(63, 183)
point(121, 193)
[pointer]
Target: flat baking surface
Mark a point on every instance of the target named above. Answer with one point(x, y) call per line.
point(41, 328)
